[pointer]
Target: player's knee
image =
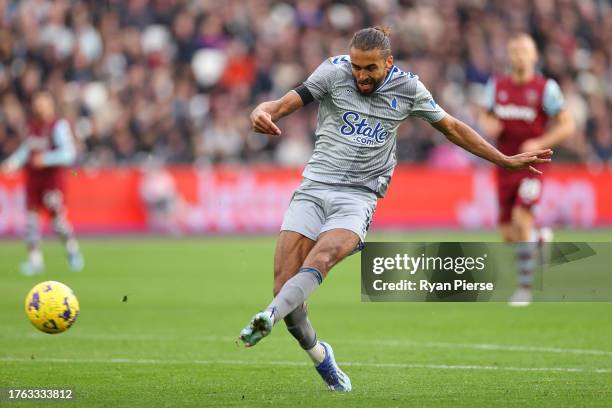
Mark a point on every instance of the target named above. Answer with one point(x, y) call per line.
point(53, 201)
point(508, 235)
point(523, 233)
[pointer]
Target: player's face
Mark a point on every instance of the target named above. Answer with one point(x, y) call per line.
point(369, 68)
point(522, 54)
point(43, 107)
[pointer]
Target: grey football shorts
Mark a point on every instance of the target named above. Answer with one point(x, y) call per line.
point(317, 207)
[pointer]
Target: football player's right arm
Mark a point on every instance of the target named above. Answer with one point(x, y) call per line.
point(316, 87)
point(16, 160)
point(266, 113)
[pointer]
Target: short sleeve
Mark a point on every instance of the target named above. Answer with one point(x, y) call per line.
point(319, 83)
point(65, 152)
point(424, 106)
point(488, 100)
point(552, 100)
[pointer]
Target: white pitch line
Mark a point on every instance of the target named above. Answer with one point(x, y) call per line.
point(303, 364)
point(483, 346)
point(389, 343)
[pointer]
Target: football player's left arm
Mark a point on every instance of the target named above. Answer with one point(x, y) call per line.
point(563, 126)
point(464, 136)
point(65, 152)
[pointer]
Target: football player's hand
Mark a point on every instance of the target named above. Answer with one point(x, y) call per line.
point(530, 145)
point(525, 161)
point(262, 123)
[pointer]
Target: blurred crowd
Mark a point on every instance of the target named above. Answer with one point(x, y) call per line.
point(177, 79)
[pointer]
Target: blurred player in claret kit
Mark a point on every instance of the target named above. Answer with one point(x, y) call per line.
point(363, 97)
point(47, 149)
point(519, 108)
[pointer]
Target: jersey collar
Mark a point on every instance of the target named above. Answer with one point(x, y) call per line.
point(392, 72)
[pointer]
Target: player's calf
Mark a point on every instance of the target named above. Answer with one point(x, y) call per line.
point(301, 329)
point(526, 254)
point(63, 229)
point(35, 263)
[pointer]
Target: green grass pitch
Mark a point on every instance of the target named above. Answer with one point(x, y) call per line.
point(172, 343)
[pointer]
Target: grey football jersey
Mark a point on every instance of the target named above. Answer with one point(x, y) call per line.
point(356, 133)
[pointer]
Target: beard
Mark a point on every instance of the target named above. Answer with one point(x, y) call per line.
point(369, 85)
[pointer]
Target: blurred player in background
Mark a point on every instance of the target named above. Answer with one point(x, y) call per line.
point(519, 108)
point(47, 149)
point(363, 98)
point(161, 198)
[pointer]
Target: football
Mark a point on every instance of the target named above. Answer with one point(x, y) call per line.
point(52, 307)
